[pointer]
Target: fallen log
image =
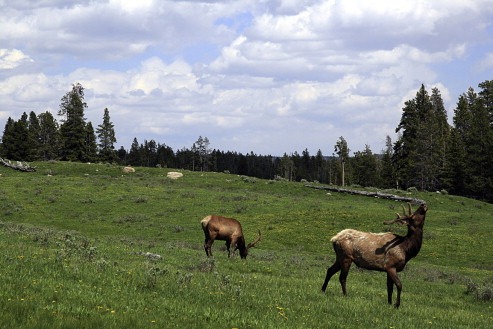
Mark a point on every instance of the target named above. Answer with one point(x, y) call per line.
point(17, 165)
point(368, 193)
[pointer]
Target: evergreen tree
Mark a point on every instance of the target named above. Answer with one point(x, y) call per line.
point(122, 155)
point(287, 167)
point(342, 152)
point(433, 139)
point(24, 148)
point(486, 96)
point(165, 156)
point(486, 101)
point(34, 129)
point(480, 145)
point(148, 153)
point(9, 139)
point(455, 173)
point(134, 157)
point(459, 171)
point(48, 137)
point(16, 145)
point(387, 173)
point(305, 166)
point(107, 139)
point(321, 170)
point(404, 148)
point(91, 151)
point(74, 133)
point(419, 153)
point(364, 167)
point(201, 148)
point(441, 128)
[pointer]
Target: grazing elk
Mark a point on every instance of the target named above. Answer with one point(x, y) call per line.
point(226, 229)
point(386, 252)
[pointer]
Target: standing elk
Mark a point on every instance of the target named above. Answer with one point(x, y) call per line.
point(386, 252)
point(226, 229)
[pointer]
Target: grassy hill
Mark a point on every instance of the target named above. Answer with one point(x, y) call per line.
point(85, 246)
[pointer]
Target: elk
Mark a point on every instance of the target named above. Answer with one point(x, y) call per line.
point(385, 252)
point(226, 229)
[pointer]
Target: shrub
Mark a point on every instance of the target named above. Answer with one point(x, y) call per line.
point(480, 291)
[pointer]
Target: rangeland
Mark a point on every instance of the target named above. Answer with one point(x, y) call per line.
point(85, 246)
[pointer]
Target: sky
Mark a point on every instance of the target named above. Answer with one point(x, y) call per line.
point(268, 76)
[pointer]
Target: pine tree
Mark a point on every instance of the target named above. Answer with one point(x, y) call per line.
point(419, 153)
point(441, 128)
point(342, 151)
point(9, 139)
point(90, 150)
point(364, 166)
point(34, 129)
point(122, 155)
point(74, 135)
point(287, 167)
point(49, 137)
point(486, 98)
point(202, 150)
point(422, 171)
point(469, 163)
point(481, 143)
point(107, 139)
point(134, 157)
point(321, 170)
point(455, 173)
point(405, 148)
point(458, 167)
point(387, 173)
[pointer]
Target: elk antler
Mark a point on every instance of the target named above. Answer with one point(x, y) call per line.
point(401, 219)
point(252, 244)
point(410, 211)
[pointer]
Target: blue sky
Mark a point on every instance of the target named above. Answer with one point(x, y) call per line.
point(269, 77)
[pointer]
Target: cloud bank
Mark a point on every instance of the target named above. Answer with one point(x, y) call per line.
point(269, 76)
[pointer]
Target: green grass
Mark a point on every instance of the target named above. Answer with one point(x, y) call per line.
point(78, 242)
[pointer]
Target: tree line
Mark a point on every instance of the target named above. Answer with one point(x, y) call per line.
point(429, 153)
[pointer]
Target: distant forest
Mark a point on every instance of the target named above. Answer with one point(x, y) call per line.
point(429, 153)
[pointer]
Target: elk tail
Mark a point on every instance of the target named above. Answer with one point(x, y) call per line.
point(205, 221)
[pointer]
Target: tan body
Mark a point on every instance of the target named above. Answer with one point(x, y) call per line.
point(386, 252)
point(226, 229)
point(372, 251)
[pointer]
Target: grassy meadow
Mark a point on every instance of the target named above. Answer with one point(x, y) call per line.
point(85, 246)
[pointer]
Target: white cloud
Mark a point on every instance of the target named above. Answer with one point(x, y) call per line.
point(12, 58)
point(270, 76)
point(487, 62)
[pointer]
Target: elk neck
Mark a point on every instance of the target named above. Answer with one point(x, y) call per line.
point(414, 239)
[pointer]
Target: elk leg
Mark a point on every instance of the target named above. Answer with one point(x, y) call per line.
point(228, 246)
point(231, 242)
point(330, 272)
point(346, 264)
point(392, 273)
point(390, 289)
point(207, 247)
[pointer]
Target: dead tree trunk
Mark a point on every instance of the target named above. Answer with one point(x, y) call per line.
point(367, 193)
point(17, 165)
